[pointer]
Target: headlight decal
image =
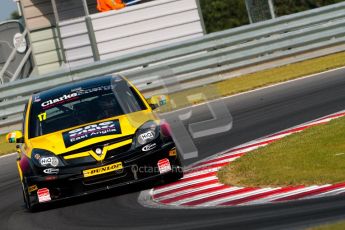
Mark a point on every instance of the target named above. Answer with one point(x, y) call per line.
point(45, 159)
point(147, 133)
point(146, 137)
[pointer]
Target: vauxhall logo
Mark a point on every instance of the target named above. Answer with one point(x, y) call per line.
point(98, 151)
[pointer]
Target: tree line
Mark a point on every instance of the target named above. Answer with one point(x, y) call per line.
point(225, 14)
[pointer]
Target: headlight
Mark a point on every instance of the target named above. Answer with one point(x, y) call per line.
point(146, 133)
point(49, 161)
point(43, 158)
point(146, 137)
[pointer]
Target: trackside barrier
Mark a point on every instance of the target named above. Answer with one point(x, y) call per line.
point(193, 62)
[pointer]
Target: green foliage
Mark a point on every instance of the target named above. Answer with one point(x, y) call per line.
point(224, 14)
point(285, 7)
point(15, 15)
point(5, 147)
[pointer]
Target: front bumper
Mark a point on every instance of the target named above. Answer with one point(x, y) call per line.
point(136, 168)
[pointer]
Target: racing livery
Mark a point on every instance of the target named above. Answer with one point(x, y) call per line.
point(90, 136)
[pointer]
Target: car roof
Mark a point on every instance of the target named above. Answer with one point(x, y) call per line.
point(85, 84)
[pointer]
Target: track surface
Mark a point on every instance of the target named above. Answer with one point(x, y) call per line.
point(255, 114)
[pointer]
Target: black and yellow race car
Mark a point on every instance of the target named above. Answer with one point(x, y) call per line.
point(90, 136)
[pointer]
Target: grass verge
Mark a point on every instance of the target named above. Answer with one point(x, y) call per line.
point(315, 156)
point(336, 226)
point(6, 148)
point(257, 80)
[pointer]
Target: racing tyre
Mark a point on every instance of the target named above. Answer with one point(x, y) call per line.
point(26, 196)
point(177, 172)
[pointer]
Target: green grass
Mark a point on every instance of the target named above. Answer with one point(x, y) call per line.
point(315, 156)
point(336, 226)
point(257, 80)
point(5, 147)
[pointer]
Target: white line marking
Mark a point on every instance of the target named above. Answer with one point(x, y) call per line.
point(217, 162)
point(181, 185)
point(329, 193)
point(7, 155)
point(205, 195)
point(237, 197)
point(244, 150)
point(200, 172)
point(187, 191)
point(283, 195)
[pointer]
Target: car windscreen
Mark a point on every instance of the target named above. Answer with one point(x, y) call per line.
point(82, 106)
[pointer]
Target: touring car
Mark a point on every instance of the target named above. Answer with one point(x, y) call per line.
point(89, 136)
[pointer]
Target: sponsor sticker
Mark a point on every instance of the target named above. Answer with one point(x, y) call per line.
point(75, 93)
point(32, 188)
point(164, 165)
point(42, 116)
point(149, 147)
point(90, 131)
point(43, 195)
point(51, 171)
point(147, 135)
point(37, 99)
point(172, 152)
point(60, 100)
point(53, 161)
point(103, 169)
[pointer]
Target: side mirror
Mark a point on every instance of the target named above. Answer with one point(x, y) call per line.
point(158, 100)
point(15, 137)
point(153, 106)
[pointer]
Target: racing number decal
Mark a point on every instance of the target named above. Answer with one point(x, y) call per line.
point(42, 116)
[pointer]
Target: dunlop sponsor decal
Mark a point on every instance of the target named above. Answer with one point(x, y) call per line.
point(103, 169)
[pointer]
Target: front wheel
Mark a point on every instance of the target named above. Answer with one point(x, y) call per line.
point(26, 196)
point(176, 173)
point(177, 169)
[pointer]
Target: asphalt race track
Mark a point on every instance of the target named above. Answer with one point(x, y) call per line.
point(255, 114)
